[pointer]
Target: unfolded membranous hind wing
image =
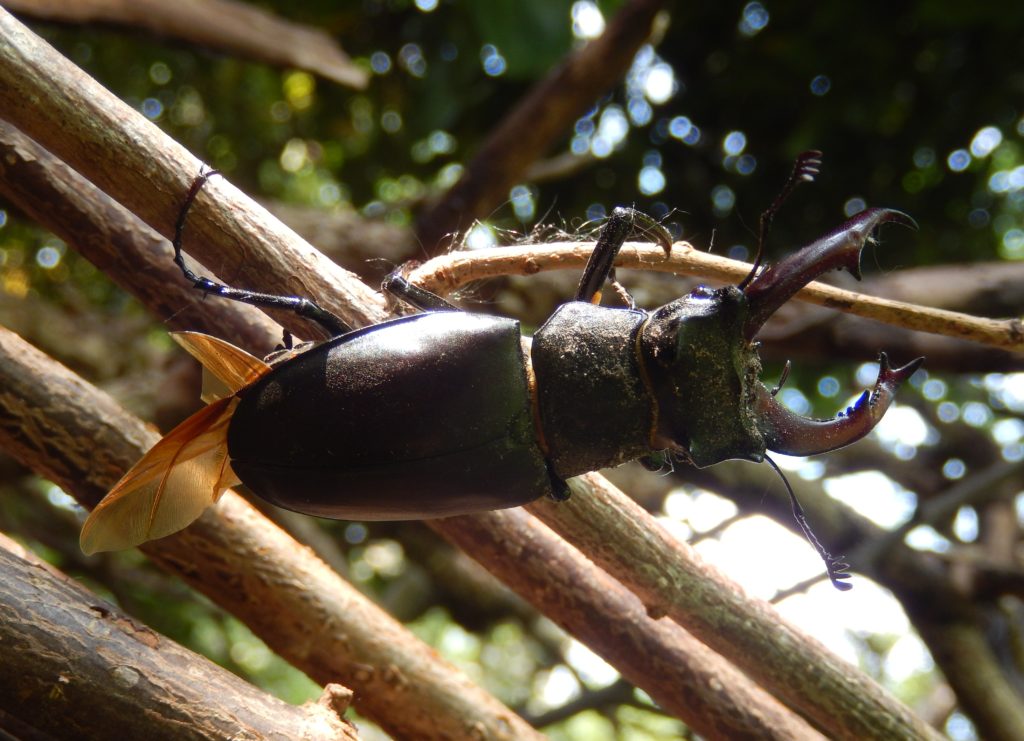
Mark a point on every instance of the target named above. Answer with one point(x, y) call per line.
point(180, 476)
point(226, 368)
point(188, 469)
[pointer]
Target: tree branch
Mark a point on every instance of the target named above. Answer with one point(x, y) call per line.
point(445, 274)
point(235, 27)
point(628, 542)
point(682, 674)
point(76, 667)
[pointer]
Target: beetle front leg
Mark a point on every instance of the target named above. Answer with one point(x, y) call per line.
point(600, 266)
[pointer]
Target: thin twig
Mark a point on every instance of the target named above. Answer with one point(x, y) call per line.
point(445, 274)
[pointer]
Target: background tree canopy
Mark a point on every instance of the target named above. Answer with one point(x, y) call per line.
point(916, 106)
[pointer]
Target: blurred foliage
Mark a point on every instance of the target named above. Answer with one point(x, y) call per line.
point(917, 106)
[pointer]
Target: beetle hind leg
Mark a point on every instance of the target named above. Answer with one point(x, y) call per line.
point(304, 307)
point(559, 488)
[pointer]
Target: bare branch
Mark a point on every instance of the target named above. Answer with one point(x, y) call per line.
point(683, 675)
point(235, 27)
point(619, 535)
point(446, 273)
point(114, 678)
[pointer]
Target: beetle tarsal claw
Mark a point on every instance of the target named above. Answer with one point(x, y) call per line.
point(792, 434)
point(648, 226)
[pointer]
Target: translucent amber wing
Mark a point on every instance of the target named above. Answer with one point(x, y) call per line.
point(226, 368)
point(180, 476)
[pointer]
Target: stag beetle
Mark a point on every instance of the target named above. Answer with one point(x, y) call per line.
point(444, 413)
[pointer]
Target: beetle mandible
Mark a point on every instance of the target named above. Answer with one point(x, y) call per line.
point(444, 412)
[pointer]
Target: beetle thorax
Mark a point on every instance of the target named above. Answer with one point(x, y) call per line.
point(703, 374)
point(594, 407)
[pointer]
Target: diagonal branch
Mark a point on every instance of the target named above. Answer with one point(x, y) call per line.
point(619, 535)
point(114, 678)
point(235, 27)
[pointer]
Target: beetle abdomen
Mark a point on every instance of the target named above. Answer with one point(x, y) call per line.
point(423, 416)
point(594, 407)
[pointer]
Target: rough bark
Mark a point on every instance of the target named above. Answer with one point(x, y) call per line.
point(75, 667)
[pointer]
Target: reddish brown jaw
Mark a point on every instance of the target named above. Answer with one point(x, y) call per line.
point(792, 434)
point(777, 283)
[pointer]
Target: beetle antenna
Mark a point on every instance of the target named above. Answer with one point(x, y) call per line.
point(807, 165)
point(835, 566)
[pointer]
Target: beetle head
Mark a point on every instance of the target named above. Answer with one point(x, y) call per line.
point(703, 368)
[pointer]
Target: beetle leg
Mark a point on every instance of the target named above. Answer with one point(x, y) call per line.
point(792, 434)
point(304, 307)
point(658, 462)
point(626, 296)
point(841, 248)
point(560, 491)
point(620, 224)
point(420, 298)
